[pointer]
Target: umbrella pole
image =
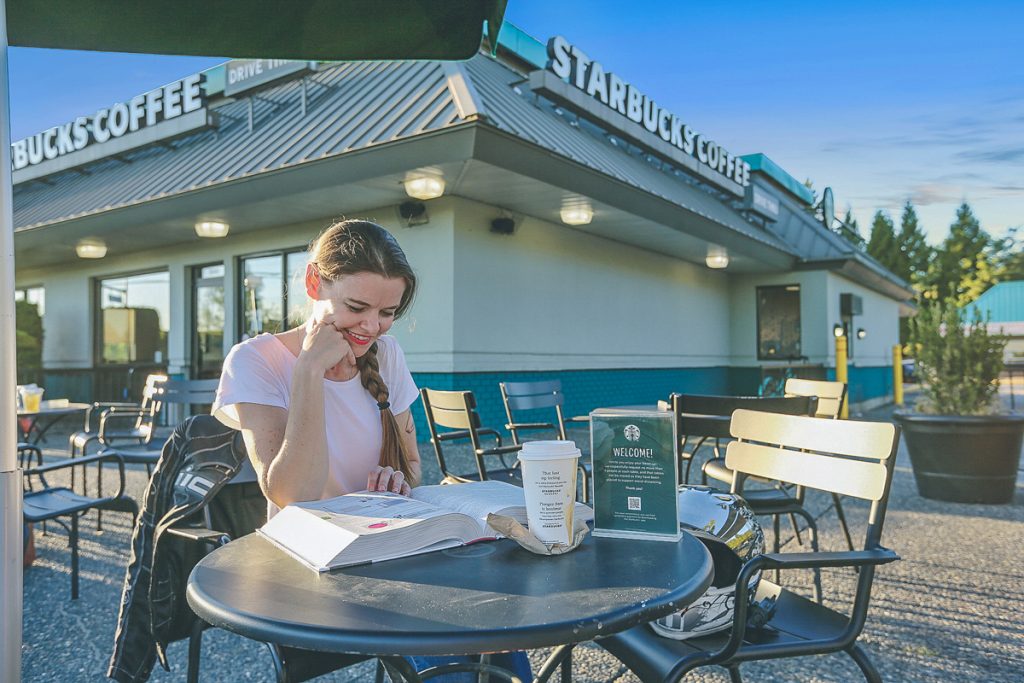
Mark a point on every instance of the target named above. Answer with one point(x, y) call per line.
point(10, 475)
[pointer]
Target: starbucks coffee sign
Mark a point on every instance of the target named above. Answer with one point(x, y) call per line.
point(571, 64)
point(173, 101)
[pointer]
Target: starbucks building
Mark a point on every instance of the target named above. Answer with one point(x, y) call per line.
point(562, 225)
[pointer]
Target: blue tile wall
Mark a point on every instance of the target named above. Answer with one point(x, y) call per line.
point(584, 389)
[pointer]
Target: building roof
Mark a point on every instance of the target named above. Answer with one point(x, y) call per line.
point(346, 108)
point(1001, 303)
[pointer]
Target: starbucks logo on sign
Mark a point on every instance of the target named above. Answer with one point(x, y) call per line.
point(632, 432)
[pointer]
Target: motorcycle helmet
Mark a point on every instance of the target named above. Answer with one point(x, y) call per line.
point(727, 527)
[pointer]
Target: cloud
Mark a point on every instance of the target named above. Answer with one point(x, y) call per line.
point(994, 156)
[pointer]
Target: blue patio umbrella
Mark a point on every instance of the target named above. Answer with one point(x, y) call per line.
point(324, 30)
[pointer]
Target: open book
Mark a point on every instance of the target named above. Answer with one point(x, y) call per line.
point(357, 528)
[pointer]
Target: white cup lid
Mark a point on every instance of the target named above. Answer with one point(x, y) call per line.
point(549, 450)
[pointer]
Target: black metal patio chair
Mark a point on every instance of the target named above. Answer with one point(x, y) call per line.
point(525, 396)
point(43, 502)
point(456, 410)
point(851, 458)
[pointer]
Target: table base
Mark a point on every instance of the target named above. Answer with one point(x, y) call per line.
point(399, 669)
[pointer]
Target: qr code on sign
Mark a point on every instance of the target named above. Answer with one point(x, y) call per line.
point(633, 502)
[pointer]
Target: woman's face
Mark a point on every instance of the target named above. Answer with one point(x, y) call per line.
point(360, 306)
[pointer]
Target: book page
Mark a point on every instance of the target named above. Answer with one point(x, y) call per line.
point(369, 513)
point(476, 499)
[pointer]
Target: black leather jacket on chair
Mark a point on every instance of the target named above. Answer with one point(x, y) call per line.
point(200, 457)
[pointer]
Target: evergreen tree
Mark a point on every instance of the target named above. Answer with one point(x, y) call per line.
point(966, 264)
point(1012, 262)
point(882, 243)
point(850, 230)
point(914, 252)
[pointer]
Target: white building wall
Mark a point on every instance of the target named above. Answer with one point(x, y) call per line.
point(819, 312)
point(549, 297)
point(815, 330)
point(69, 324)
point(880, 320)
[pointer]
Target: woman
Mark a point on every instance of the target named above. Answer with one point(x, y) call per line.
point(324, 407)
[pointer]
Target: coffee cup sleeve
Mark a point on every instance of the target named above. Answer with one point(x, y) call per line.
point(510, 528)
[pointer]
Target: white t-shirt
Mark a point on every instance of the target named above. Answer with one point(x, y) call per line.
point(259, 370)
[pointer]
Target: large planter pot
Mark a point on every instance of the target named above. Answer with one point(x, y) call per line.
point(964, 459)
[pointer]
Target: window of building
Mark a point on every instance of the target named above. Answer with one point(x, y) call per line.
point(29, 307)
point(33, 295)
point(778, 322)
point(208, 320)
point(134, 317)
point(272, 296)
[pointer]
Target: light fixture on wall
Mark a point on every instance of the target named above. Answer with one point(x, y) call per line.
point(413, 213)
point(717, 257)
point(861, 333)
point(424, 187)
point(576, 211)
point(212, 229)
point(91, 249)
point(838, 330)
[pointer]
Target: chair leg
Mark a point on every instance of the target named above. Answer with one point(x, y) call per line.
point(195, 642)
point(860, 657)
point(813, 531)
point(734, 674)
point(796, 529)
point(378, 677)
point(776, 545)
point(99, 494)
point(279, 665)
point(567, 668)
point(73, 541)
point(842, 520)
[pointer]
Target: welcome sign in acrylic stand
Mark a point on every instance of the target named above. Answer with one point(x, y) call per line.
point(635, 473)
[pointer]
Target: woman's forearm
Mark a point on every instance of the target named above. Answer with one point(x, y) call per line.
point(299, 470)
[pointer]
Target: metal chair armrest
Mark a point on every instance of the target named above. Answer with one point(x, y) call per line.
point(491, 432)
point(529, 425)
point(451, 436)
point(113, 414)
point(85, 460)
point(200, 535)
point(846, 558)
point(501, 450)
point(854, 558)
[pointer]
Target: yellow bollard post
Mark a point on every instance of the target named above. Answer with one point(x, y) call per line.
point(897, 374)
point(842, 374)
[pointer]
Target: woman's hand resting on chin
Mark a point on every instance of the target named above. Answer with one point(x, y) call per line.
point(326, 349)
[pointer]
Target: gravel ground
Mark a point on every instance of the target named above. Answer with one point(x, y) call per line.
point(950, 610)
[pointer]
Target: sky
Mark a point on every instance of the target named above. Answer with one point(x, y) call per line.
point(881, 101)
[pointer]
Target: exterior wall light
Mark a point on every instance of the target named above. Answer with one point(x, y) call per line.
point(576, 214)
point(91, 249)
point(212, 229)
point(717, 258)
point(861, 333)
point(838, 330)
point(425, 187)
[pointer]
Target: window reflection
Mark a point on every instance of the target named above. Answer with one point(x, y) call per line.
point(272, 288)
point(134, 318)
point(778, 322)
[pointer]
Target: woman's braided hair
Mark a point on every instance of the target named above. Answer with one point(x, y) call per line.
point(356, 246)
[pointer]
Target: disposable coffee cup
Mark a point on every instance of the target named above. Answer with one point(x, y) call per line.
point(549, 481)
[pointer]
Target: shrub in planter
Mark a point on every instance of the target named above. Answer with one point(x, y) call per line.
point(962, 447)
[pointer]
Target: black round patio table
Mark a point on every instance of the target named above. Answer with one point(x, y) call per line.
point(485, 597)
